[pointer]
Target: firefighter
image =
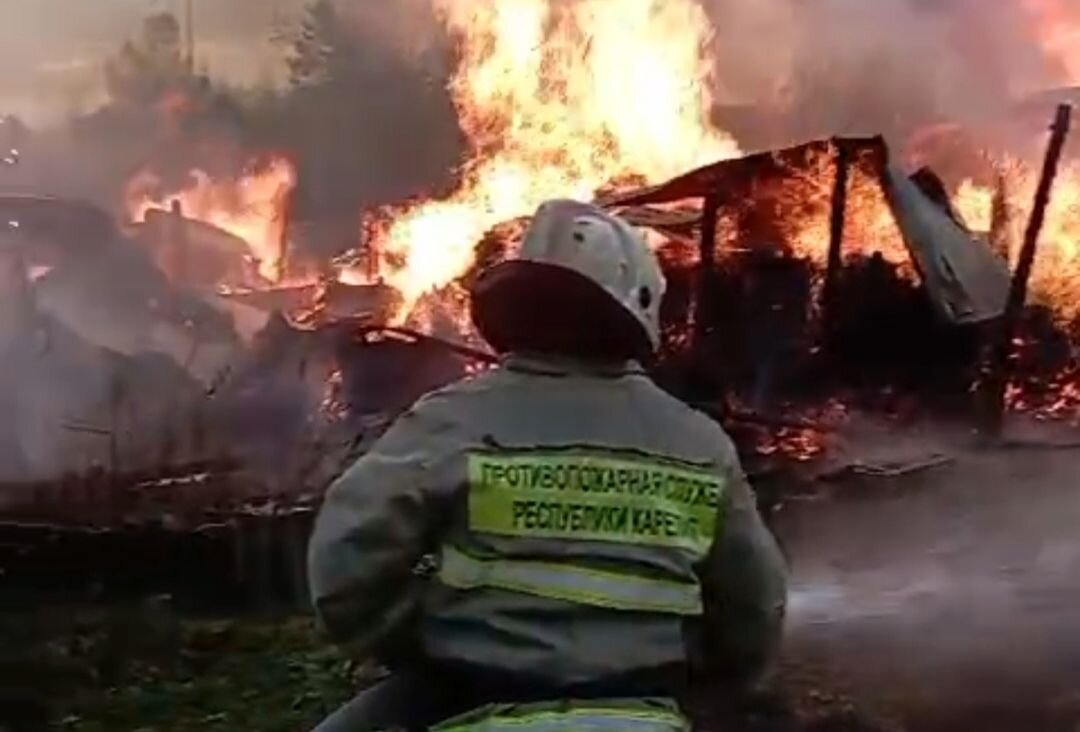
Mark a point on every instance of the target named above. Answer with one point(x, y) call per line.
point(594, 540)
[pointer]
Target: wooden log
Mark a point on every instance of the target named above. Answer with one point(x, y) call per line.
point(996, 372)
point(459, 348)
point(262, 596)
point(706, 267)
point(1001, 217)
point(177, 246)
point(298, 525)
point(837, 221)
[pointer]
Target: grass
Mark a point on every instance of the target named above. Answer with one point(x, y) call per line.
point(119, 669)
point(142, 668)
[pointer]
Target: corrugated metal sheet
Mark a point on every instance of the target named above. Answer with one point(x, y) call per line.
point(965, 280)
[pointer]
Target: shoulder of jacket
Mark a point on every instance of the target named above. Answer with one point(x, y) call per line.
point(448, 401)
point(711, 435)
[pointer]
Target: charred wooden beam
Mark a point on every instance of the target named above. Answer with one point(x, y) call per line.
point(996, 373)
point(706, 266)
point(177, 245)
point(836, 225)
point(1001, 217)
point(283, 252)
point(461, 349)
point(1018, 291)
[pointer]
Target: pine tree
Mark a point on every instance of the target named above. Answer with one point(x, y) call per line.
point(143, 69)
point(323, 51)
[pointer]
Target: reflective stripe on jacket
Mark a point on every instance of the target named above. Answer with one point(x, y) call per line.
point(645, 715)
point(572, 583)
point(584, 521)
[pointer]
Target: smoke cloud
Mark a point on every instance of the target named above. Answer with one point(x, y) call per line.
point(818, 67)
point(52, 51)
point(822, 67)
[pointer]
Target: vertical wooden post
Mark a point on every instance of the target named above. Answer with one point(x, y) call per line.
point(198, 428)
point(298, 530)
point(836, 225)
point(116, 398)
point(284, 201)
point(176, 244)
point(1001, 217)
point(710, 210)
point(997, 370)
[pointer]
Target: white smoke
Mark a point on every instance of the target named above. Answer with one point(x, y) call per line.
point(52, 51)
point(823, 67)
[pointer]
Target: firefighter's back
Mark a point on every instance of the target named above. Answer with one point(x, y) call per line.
point(581, 498)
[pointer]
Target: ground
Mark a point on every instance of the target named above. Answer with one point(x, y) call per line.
point(140, 667)
point(943, 597)
point(91, 669)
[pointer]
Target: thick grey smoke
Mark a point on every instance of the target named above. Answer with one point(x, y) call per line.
point(52, 51)
point(821, 67)
point(374, 131)
point(818, 66)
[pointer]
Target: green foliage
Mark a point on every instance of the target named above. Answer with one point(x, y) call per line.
point(145, 669)
point(323, 50)
point(369, 124)
point(270, 677)
point(143, 69)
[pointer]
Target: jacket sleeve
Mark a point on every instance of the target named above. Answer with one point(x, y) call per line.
point(376, 524)
point(744, 584)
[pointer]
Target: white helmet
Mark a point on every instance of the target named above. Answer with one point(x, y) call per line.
point(578, 254)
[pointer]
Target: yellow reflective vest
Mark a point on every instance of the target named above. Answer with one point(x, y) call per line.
point(617, 715)
point(586, 526)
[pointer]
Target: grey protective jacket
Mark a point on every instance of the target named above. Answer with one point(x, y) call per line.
point(584, 522)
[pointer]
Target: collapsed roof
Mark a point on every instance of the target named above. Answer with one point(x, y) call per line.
point(964, 279)
point(95, 282)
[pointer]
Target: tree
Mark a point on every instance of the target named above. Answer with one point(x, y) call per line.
point(322, 50)
point(144, 69)
point(371, 124)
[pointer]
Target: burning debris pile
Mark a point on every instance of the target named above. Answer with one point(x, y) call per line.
point(766, 326)
point(251, 208)
point(814, 248)
point(213, 329)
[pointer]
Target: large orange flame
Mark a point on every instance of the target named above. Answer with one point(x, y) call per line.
point(1057, 24)
point(251, 206)
point(1055, 280)
point(805, 202)
point(557, 100)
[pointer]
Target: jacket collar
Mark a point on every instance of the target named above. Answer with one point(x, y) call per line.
point(549, 365)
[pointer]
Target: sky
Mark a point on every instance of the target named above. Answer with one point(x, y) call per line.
point(957, 52)
point(52, 51)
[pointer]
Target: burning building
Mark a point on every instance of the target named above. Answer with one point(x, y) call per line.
point(806, 281)
point(759, 248)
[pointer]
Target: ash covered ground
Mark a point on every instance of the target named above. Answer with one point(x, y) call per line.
point(194, 339)
point(947, 596)
point(933, 589)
